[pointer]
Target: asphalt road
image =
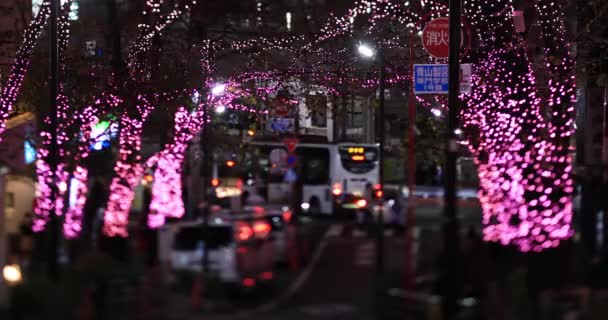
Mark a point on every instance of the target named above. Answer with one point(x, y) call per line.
point(339, 281)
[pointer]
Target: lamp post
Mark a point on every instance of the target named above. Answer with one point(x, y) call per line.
point(216, 91)
point(368, 52)
point(410, 255)
point(451, 244)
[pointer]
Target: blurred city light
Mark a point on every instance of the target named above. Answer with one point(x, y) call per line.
point(218, 89)
point(12, 273)
point(366, 51)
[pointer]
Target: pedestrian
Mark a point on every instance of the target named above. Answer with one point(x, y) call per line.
point(367, 212)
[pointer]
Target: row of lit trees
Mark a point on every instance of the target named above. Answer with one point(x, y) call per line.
point(522, 152)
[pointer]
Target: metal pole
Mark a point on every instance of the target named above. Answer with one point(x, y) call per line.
point(53, 226)
point(206, 181)
point(380, 233)
point(451, 228)
point(410, 263)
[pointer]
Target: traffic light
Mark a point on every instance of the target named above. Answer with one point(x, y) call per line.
point(215, 182)
point(378, 194)
point(378, 191)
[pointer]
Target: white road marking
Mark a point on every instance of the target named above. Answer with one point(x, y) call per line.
point(359, 234)
point(365, 254)
point(335, 230)
point(328, 310)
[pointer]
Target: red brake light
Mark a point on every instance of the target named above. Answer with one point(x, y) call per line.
point(261, 229)
point(287, 216)
point(361, 203)
point(267, 275)
point(248, 282)
point(244, 232)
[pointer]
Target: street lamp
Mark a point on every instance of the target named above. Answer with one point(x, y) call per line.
point(368, 52)
point(220, 109)
point(218, 89)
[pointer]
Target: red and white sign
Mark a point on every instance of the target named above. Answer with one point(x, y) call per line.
point(436, 38)
point(290, 144)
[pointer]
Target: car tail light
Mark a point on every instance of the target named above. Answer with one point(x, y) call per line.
point(267, 275)
point(244, 232)
point(336, 190)
point(358, 158)
point(261, 229)
point(259, 211)
point(248, 282)
point(361, 203)
point(287, 216)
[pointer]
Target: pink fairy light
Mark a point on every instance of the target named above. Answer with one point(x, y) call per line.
point(88, 118)
point(12, 87)
point(128, 170)
point(523, 159)
point(167, 186)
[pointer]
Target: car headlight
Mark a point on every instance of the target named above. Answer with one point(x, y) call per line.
point(12, 274)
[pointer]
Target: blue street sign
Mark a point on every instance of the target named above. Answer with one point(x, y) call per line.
point(430, 78)
point(282, 125)
point(290, 176)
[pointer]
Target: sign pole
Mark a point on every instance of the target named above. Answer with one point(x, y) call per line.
point(410, 221)
point(451, 245)
point(380, 233)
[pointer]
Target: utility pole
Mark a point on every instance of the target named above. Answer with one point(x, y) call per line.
point(53, 227)
point(380, 233)
point(206, 170)
point(451, 245)
point(410, 262)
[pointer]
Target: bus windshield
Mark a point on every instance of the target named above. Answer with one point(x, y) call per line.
point(357, 159)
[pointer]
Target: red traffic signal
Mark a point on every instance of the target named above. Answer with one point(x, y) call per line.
point(378, 191)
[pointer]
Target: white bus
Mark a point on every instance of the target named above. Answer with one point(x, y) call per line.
point(326, 172)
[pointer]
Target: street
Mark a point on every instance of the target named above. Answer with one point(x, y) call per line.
point(339, 282)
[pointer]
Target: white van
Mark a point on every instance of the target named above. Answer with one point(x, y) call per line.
point(239, 248)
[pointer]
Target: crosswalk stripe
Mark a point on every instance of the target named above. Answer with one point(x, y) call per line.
point(335, 230)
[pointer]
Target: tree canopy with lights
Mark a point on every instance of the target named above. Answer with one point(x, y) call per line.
point(518, 133)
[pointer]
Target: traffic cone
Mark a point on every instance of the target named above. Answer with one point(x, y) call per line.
point(87, 308)
point(196, 293)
